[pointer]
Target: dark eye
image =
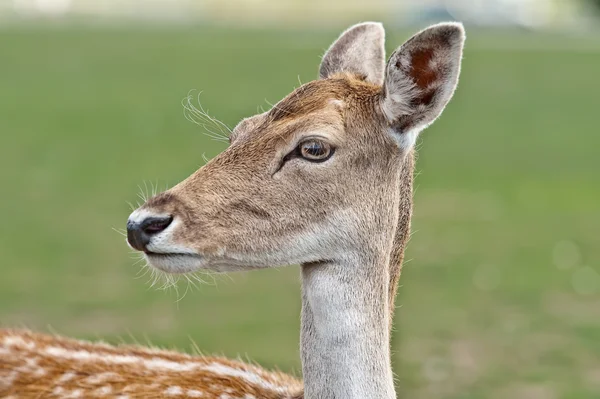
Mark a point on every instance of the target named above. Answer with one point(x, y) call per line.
point(312, 150)
point(315, 150)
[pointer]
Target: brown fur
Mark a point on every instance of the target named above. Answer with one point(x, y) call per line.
point(255, 206)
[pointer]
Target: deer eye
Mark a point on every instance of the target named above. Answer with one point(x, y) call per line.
point(315, 150)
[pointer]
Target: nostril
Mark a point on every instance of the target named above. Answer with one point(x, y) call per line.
point(139, 234)
point(155, 225)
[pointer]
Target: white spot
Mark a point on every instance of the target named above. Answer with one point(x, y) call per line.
point(103, 391)
point(31, 362)
point(18, 341)
point(68, 376)
point(246, 375)
point(194, 393)
point(153, 363)
point(74, 394)
point(175, 390)
point(58, 391)
point(9, 379)
point(102, 377)
point(122, 397)
point(31, 366)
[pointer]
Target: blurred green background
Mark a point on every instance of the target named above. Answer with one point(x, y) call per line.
point(500, 297)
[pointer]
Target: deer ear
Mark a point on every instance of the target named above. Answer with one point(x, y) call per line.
point(420, 79)
point(359, 50)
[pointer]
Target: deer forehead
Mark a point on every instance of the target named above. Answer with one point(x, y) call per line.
point(315, 105)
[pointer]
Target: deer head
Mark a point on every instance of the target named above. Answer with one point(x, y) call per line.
point(317, 176)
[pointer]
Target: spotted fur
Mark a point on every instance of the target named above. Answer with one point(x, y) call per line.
point(36, 365)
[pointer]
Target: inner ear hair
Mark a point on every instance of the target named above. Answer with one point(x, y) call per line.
point(420, 78)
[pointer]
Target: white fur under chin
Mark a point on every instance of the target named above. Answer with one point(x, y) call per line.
point(176, 263)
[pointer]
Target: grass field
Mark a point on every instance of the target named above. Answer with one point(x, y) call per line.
point(500, 298)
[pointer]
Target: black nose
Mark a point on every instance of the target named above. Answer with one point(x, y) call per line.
point(139, 234)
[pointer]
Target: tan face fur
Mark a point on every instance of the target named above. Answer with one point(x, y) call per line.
point(255, 205)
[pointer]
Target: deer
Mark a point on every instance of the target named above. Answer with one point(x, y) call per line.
point(324, 180)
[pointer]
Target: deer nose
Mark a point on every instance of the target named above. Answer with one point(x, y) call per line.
point(139, 234)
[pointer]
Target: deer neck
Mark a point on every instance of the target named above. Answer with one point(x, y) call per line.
point(345, 337)
point(347, 312)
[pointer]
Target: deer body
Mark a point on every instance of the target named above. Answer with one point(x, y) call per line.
point(324, 180)
point(45, 366)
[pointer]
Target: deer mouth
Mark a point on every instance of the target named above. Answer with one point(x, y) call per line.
point(174, 262)
point(152, 253)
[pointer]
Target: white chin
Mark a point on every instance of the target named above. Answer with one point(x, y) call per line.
point(175, 263)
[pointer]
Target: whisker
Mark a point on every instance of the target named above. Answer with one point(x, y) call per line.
point(120, 231)
point(141, 194)
point(184, 293)
point(205, 158)
point(218, 122)
point(195, 348)
point(189, 281)
point(143, 272)
point(130, 205)
point(146, 192)
point(214, 128)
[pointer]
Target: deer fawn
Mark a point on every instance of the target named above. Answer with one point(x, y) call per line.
point(324, 180)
